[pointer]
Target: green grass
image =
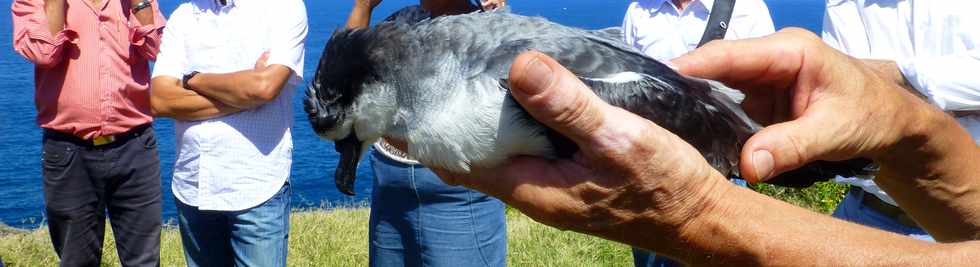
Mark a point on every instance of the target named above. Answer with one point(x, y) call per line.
point(338, 237)
point(821, 197)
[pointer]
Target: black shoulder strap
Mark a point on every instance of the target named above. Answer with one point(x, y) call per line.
point(721, 14)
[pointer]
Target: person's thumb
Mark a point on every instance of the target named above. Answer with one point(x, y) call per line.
point(785, 146)
point(555, 97)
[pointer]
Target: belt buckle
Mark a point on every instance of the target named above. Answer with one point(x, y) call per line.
point(102, 140)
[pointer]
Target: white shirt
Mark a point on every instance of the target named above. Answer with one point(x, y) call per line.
point(662, 31)
point(240, 160)
point(935, 44)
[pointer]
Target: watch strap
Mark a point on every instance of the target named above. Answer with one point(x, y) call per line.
point(187, 78)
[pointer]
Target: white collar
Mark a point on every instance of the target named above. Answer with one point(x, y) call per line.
point(655, 5)
point(212, 5)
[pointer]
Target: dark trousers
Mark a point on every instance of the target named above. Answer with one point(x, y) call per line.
point(83, 183)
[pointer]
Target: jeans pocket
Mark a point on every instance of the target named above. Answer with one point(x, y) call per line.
point(149, 139)
point(56, 158)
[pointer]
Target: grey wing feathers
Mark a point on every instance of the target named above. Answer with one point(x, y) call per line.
point(691, 111)
point(690, 108)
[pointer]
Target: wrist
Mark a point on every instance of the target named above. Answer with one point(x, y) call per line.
point(925, 140)
point(687, 228)
point(188, 82)
point(713, 235)
point(363, 7)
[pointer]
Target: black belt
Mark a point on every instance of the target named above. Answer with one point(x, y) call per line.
point(887, 209)
point(98, 141)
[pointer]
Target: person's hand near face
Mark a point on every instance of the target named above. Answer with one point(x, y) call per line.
point(360, 14)
point(639, 184)
point(492, 4)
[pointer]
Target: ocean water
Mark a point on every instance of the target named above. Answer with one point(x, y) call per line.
point(21, 198)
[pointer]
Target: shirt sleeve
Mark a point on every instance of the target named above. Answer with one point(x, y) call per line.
point(146, 38)
point(830, 34)
point(763, 20)
point(289, 36)
point(950, 81)
point(172, 58)
point(629, 31)
point(32, 39)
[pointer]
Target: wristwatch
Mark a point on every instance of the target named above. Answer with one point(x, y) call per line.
point(141, 5)
point(187, 78)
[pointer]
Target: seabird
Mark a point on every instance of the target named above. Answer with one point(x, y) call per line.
point(440, 86)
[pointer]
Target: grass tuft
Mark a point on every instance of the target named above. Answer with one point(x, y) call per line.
point(337, 236)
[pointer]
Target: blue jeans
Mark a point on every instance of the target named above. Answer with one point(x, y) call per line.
point(852, 209)
point(646, 258)
point(417, 220)
point(253, 237)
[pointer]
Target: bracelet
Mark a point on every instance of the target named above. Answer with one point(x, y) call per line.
point(141, 5)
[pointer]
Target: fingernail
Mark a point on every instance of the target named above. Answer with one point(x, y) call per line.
point(763, 163)
point(537, 77)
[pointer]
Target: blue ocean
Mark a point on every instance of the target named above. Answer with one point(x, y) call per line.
point(21, 197)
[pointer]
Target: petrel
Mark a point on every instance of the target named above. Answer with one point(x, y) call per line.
point(440, 85)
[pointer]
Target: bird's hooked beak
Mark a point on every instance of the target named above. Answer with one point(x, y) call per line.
point(350, 149)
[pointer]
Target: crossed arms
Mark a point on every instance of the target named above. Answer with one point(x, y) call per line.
point(211, 95)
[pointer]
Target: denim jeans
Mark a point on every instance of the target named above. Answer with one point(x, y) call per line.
point(852, 209)
point(417, 220)
point(646, 258)
point(253, 237)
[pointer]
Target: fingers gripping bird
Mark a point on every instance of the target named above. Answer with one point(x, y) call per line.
point(440, 86)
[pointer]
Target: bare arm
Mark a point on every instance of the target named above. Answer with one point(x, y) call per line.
point(55, 12)
point(146, 35)
point(952, 194)
point(926, 158)
point(360, 14)
point(934, 177)
point(168, 99)
point(144, 16)
point(243, 89)
point(637, 183)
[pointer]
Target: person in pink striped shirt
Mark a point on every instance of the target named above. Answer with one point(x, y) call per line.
point(99, 152)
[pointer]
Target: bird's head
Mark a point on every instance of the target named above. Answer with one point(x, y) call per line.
point(346, 103)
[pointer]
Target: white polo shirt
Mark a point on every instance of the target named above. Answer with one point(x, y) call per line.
point(662, 31)
point(240, 160)
point(935, 44)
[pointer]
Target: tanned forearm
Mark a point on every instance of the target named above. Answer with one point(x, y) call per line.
point(931, 170)
point(360, 16)
point(934, 176)
point(168, 99)
point(243, 89)
point(739, 232)
point(144, 16)
point(55, 12)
